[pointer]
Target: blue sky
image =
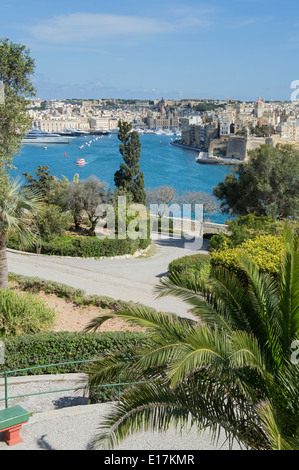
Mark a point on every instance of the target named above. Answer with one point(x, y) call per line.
point(175, 49)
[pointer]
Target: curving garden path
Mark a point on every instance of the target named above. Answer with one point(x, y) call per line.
point(125, 279)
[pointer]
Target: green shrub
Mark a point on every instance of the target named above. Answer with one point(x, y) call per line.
point(208, 235)
point(23, 313)
point(188, 264)
point(190, 267)
point(53, 222)
point(265, 251)
point(220, 242)
point(58, 347)
point(12, 241)
point(245, 228)
point(104, 394)
point(86, 247)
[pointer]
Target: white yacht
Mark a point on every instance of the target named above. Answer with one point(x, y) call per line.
point(36, 136)
point(73, 132)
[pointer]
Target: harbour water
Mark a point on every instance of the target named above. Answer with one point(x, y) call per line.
point(161, 162)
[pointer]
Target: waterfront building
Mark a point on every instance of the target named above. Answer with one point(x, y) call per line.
point(98, 123)
point(188, 121)
point(225, 128)
point(162, 122)
point(199, 136)
point(103, 123)
point(289, 129)
point(59, 125)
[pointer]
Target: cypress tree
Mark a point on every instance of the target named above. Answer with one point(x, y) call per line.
point(129, 178)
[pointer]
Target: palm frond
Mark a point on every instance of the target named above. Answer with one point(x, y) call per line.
point(97, 322)
point(18, 210)
point(203, 347)
point(200, 306)
point(157, 355)
point(271, 425)
point(246, 352)
point(265, 324)
point(289, 289)
point(230, 299)
point(146, 317)
point(112, 370)
point(155, 407)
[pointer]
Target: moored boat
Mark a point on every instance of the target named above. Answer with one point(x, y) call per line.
point(36, 136)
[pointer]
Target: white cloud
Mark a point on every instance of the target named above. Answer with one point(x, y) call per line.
point(82, 27)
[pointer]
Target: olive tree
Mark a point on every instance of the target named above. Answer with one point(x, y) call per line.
point(160, 198)
point(209, 203)
point(83, 198)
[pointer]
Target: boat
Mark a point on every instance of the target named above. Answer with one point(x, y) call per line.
point(99, 132)
point(36, 136)
point(73, 132)
point(81, 161)
point(169, 132)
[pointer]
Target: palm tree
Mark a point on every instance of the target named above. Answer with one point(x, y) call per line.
point(230, 369)
point(18, 207)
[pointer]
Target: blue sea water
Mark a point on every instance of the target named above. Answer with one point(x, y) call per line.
point(161, 163)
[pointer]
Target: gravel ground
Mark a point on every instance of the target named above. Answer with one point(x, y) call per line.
point(64, 420)
point(42, 384)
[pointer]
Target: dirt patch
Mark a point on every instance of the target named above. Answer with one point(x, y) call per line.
point(70, 317)
point(74, 318)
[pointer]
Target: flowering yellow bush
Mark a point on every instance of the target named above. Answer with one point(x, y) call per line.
point(265, 251)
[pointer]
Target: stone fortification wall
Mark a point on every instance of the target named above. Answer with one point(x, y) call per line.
point(237, 147)
point(218, 144)
point(231, 146)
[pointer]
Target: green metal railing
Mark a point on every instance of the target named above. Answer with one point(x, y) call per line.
point(119, 384)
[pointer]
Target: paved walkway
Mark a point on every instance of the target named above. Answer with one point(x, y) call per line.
point(64, 420)
point(125, 279)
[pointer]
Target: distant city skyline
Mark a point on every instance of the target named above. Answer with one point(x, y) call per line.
point(193, 49)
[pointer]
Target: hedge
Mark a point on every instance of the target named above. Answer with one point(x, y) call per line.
point(57, 347)
point(85, 247)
